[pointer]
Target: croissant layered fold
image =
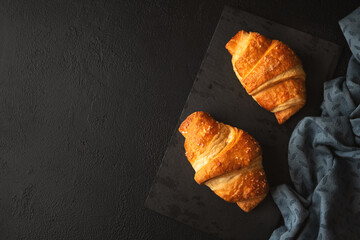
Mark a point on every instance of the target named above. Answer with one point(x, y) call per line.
point(226, 159)
point(270, 72)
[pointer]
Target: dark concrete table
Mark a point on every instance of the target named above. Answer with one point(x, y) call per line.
point(90, 94)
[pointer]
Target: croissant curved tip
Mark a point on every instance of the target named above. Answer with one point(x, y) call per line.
point(284, 115)
point(232, 44)
point(249, 205)
point(185, 124)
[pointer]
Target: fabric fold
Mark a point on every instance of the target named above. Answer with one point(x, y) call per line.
point(324, 159)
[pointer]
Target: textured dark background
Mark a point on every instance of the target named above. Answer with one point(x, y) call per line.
point(90, 94)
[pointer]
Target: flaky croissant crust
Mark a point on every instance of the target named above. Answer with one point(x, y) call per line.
point(270, 72)
point(226, 159)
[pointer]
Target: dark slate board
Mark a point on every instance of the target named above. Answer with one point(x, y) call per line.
point(217, 91)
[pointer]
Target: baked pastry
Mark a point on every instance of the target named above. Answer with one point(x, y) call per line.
point(270, 72)
point(226, 159)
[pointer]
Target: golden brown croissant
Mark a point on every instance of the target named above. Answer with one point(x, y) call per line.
point(270, 72)
point(226, 159)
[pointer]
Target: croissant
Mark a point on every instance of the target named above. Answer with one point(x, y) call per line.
point(270, 72)
point(226, 159)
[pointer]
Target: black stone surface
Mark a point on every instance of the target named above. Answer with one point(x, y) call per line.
point(91, 92)
point(217, 91)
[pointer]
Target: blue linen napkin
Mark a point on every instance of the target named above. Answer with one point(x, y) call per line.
point(324, 160)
